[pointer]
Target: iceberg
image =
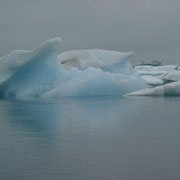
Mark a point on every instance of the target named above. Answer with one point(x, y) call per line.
point(170, 89)
point(41, 72)
point(35, 73)
point(171, 76)
point(154, 70)
point(163, 80)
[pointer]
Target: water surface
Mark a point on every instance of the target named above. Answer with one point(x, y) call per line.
point(90, 139)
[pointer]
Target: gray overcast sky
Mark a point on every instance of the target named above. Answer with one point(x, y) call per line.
point(150, 28)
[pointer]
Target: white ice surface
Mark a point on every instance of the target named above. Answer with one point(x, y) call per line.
point(152, 80)
point(173, 75)
point(97, 58)
point(154, 70)
point(170, 89)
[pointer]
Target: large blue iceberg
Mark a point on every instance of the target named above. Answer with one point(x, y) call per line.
point(41, 72)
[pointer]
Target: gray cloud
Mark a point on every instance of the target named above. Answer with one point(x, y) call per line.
point(150, 28)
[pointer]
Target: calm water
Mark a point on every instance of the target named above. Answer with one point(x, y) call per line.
point(90, 139)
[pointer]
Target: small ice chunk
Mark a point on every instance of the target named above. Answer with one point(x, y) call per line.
point(154, 70)
point(152, 80)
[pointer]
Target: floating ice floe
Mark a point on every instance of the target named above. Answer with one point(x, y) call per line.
point(171, 76)
point(154, 70)
point(41, 72)
point(165, 78)
point(170, 89)
point(152, 80)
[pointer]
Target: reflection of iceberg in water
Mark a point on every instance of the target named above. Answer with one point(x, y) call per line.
point(35, 118)
point(54, 139)
point(46, 119)
point(39, 73)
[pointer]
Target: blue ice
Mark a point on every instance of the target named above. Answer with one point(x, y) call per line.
point(41, 72)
